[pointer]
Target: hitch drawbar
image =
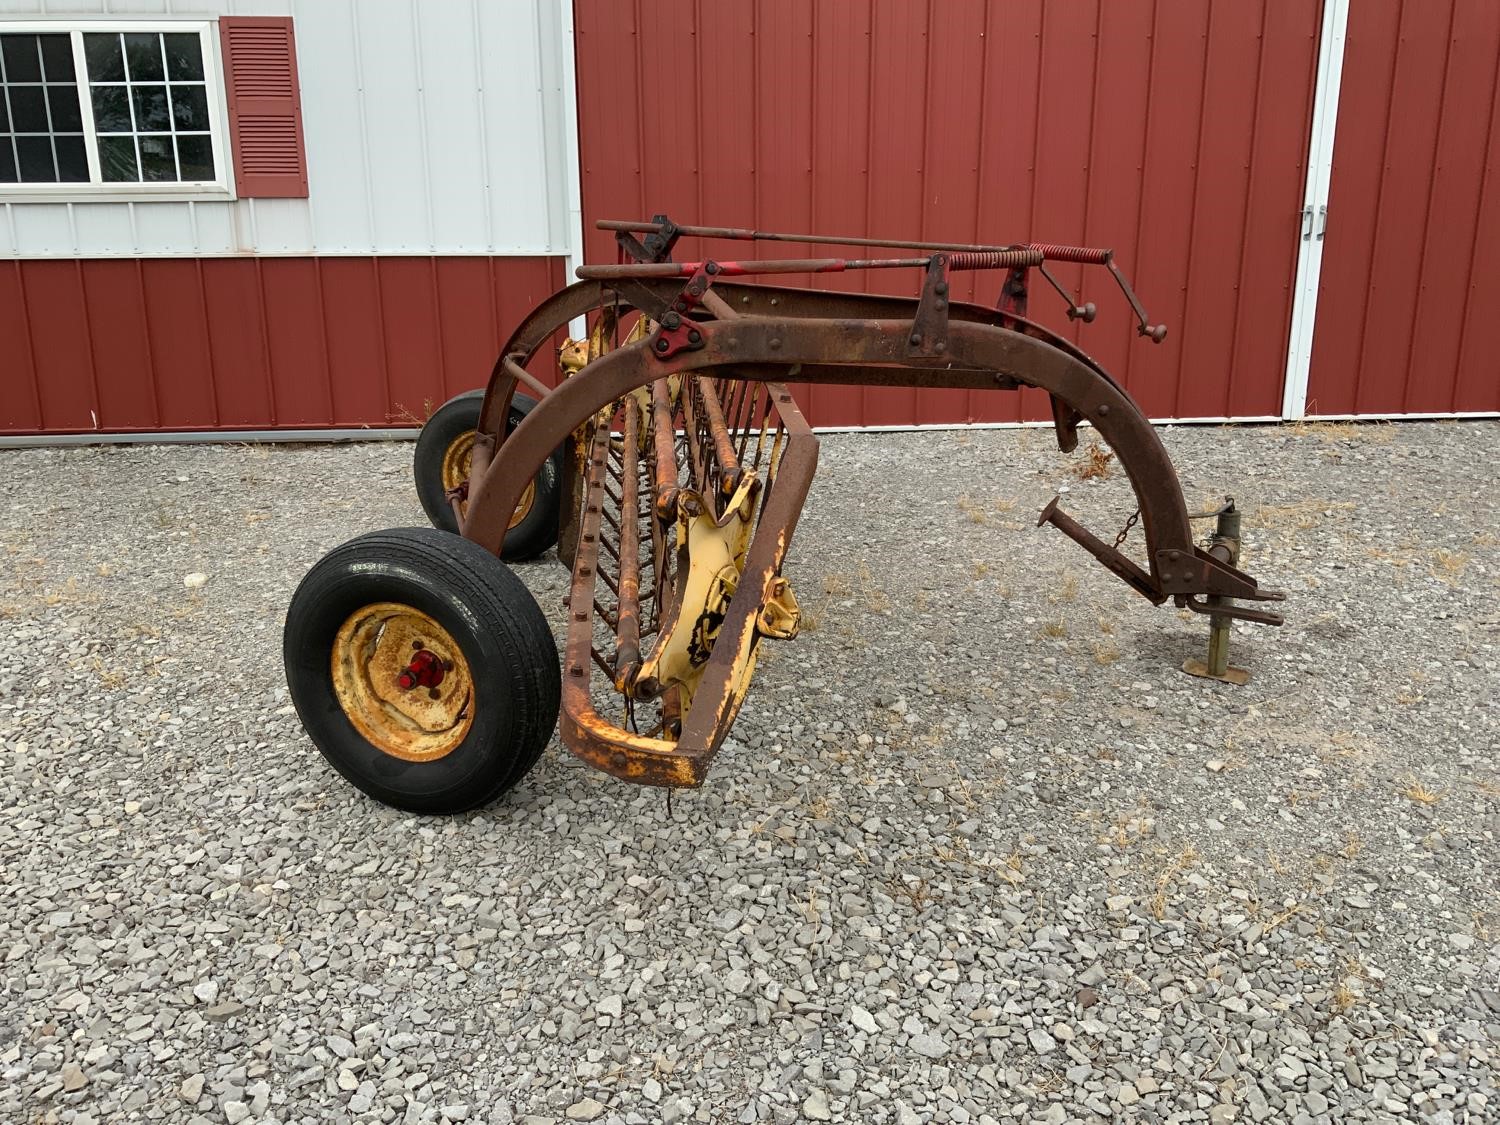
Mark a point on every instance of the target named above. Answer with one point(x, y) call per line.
point(1187, 578)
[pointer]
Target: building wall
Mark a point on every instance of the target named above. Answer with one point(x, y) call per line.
point(1173, 131)
point(1410, 271)
point(431, 127)
point(444, 179)
point(179, 344)
point(437, 158)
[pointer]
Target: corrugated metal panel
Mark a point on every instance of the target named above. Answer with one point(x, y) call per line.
point(1175, 132)
point(427, 132)
point(253, 343)
point(1410, 274)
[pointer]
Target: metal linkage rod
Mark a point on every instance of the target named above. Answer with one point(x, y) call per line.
point(723, 445)
point(734, 269)
point(628, 630)
point(961, 260)
point(745, 234)
point(663, 450)
point(690, 435)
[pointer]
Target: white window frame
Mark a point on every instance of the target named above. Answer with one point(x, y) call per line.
point(111, 192)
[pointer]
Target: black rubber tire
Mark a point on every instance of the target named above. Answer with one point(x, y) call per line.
point(534, 534)
point(496, 623)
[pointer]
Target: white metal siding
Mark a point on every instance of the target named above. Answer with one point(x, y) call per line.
point(431, 126)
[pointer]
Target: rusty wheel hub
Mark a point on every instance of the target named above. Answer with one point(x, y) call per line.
point(403, 682)
point(457, 460)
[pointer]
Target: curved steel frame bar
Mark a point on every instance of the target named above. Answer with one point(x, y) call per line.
point(584, 297)
point(852, 351)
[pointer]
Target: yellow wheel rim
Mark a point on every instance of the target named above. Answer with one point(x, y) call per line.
point(457, 460)
point(403, 682)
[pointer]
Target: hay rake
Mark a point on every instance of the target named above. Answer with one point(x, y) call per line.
point(670, 466)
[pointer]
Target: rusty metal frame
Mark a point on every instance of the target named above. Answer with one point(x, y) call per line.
point(852, 351)
point(765, 335)
point(685, 760)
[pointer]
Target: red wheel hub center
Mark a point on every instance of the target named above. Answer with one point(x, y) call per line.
point(425, 670)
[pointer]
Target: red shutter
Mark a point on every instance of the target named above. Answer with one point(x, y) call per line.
point(265, 107)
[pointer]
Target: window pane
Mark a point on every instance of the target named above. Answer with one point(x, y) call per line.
point(143, 55)
point(190, 108)
point(28, 107)
point(111, 109)
point(72, 161)
point(66, 117)
point(22, 64)
point(36, 160)
point(195, 155)
point(151, 108)
point(57, 57)
point(149, 99)
point(157, 159)
point(102, 50)
point(184, 57)
point(117, 159)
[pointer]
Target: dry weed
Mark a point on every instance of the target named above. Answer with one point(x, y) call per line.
point(1419, 794)
point(1095, 463)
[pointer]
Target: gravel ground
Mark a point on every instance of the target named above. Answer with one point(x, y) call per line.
point(977, 851)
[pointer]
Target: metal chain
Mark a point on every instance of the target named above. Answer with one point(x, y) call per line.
point(1124, 531)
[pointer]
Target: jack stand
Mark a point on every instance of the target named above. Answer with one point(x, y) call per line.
point(1225, 546)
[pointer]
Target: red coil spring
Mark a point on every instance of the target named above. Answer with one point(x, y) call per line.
point(1085, 254)
point(994, 259)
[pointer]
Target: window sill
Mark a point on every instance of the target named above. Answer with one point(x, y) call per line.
point(84, 193)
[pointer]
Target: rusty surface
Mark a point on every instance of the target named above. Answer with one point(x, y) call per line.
point(628, 614)
point(685, 436)
point(402, 682)
point(747, 234)
point(664, 463)
point(726, 459)
point(964, 260)
point(720, 675)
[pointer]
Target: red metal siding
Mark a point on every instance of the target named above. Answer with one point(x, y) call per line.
point(245, 343)
point(1172, 130)
point(1410, 274)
